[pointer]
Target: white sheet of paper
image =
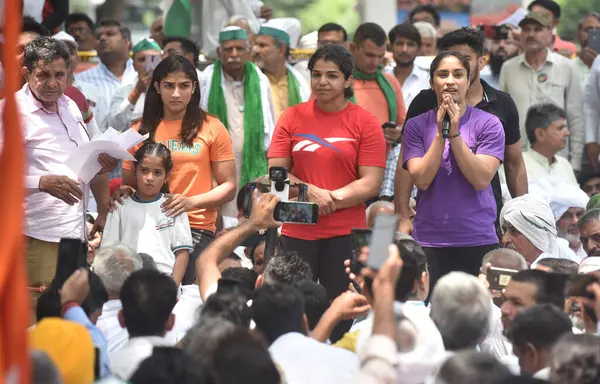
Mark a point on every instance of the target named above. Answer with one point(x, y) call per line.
point(84, 160)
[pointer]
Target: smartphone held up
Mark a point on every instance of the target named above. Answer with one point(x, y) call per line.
point(296, 212)
point(382, 235)
point(152, 62)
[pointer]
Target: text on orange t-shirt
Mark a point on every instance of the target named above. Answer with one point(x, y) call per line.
point(192, 172)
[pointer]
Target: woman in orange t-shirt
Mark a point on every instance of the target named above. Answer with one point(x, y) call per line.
point(200, 147)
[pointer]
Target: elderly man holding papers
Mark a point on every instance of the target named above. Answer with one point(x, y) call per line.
point(53, 127)
point(239, 94)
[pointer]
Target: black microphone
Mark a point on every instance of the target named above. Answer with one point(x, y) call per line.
point(446, 126)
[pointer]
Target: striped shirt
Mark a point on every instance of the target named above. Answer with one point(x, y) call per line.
point(107, 84)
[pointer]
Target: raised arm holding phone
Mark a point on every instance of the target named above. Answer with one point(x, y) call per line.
point(128, 101)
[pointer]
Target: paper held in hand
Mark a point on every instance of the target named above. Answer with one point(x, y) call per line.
point(84, 160)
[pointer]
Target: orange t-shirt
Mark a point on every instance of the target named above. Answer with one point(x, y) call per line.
point(192, 173)
point(326, 150)
point(370, 96)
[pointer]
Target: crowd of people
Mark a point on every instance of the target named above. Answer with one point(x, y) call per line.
point(485, 148)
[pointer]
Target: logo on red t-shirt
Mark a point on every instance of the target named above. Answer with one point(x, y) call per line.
point(313, 142)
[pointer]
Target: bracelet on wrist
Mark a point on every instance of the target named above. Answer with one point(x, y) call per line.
point(457, 134)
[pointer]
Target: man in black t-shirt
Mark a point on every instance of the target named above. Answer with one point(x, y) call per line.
point(469, 42)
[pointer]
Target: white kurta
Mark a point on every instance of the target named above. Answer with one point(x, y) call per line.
point(234, 97)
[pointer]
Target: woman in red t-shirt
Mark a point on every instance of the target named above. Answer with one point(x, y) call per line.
point(338, 150)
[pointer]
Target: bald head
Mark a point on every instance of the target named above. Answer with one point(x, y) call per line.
point(378, 208)
point(505, 258)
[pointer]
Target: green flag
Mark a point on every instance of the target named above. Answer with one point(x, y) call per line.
point(178, 19)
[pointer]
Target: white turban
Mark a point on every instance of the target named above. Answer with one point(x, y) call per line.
point(561, 195)
point(532, 216)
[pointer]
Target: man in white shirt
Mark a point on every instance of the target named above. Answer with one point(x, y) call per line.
point(113, 265)
point(127, 103)
point(542, 76)
point(212, 15)
point(406, 43)
point(115, 67)
point(53, 127)
point(148, 298)
point(278, 311)
point(585, 57)
point(547, 132)
point(591, 114)
point(239, 94)
point(533, 333)
point(530, 229)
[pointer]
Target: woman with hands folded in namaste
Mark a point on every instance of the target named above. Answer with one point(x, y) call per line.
point(456, 210)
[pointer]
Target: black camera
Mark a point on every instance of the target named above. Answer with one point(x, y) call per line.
point(278, 174)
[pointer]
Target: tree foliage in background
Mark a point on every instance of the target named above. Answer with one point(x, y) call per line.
point(314, 13)
point(571, 12)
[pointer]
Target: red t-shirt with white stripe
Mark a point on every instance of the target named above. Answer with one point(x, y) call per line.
point(326, 150)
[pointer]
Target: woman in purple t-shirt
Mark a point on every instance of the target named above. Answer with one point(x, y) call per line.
point(456, 209)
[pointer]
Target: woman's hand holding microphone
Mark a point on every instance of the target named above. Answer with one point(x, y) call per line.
point(450, 108)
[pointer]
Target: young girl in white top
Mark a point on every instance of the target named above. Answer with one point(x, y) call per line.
point(140, 222)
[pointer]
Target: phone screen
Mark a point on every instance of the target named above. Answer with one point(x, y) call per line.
point(296, 212)
point(359, 238)
point(498, 278)
point(152, 62)
point(228, 286)
point(594, 39)
point(383, 234)
point(72, 254)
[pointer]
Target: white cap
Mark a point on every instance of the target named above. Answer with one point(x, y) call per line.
point(309, 41)
point(64, 36)
point(290, 25)
point(589, 264)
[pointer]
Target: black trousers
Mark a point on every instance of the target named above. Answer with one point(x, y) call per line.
point(326, 259)
point(442, 261)
point(201, 239)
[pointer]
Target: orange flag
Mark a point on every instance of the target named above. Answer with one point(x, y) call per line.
point(14, 299)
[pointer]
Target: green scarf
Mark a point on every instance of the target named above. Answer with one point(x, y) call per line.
point(293, 89)
point(385, 86)
point(254, 163)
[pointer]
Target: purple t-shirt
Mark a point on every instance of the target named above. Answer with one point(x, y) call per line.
point(451, 213)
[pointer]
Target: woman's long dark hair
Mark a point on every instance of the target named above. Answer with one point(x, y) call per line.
point(339, 56)
point(153, 107)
